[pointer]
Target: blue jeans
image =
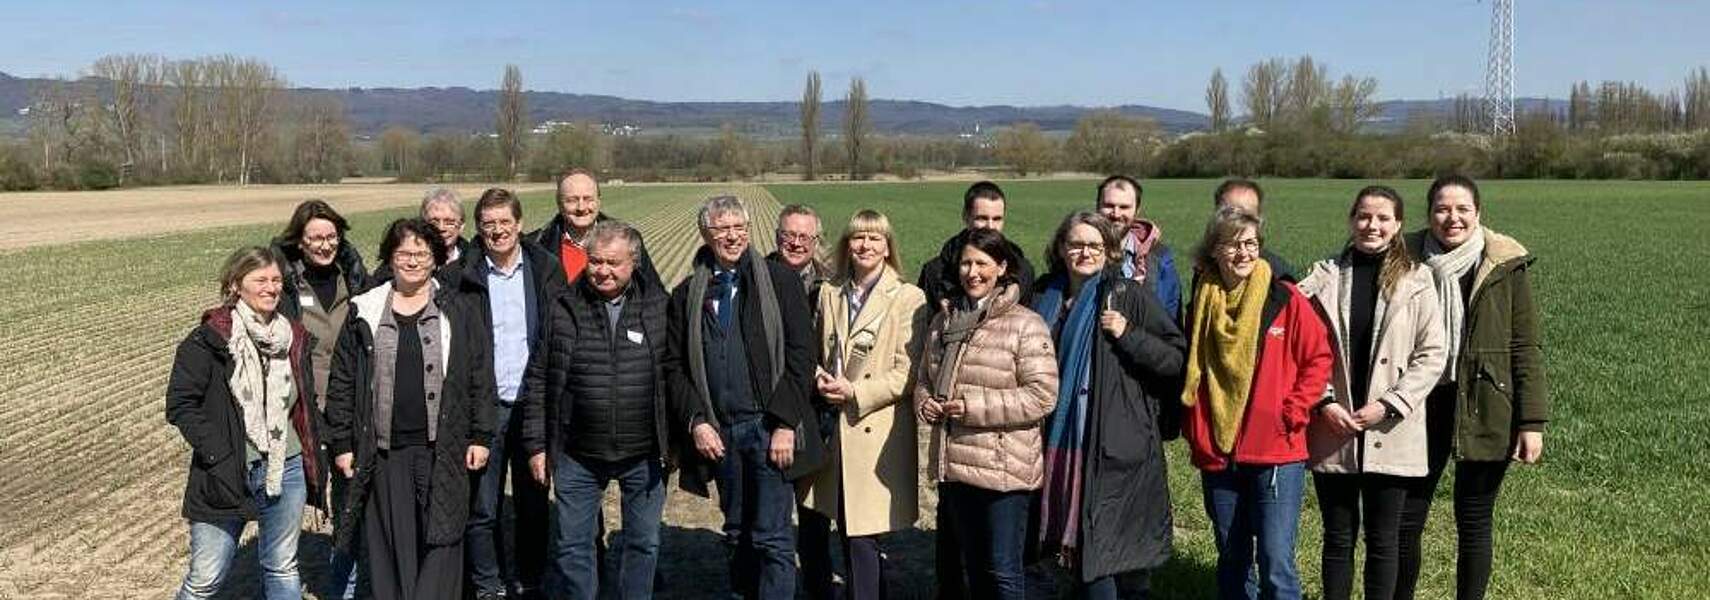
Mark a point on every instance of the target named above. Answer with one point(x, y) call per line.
point(580, 485)
point(991, 528)
point(490, 567)
point(1256, 508)
point(757, 503)
point(212, 545)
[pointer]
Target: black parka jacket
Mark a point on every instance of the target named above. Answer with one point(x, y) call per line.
point(1125, 520)
point(466, 413)
point(199, 403)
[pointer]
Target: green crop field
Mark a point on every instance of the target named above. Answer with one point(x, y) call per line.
point(91, 475)
point(1618, 508)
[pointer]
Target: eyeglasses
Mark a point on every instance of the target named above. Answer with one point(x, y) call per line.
point(728, 231)
point(331, 240)
point(1084, 247)
point(409, 257)
point(446, 222)
point(500, 225)
point(798, 238)
point(1239, 246)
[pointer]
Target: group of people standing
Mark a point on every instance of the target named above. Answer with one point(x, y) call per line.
point(405, 401)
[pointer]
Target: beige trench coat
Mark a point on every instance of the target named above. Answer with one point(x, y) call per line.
point(872, 466)
point(1407, 360)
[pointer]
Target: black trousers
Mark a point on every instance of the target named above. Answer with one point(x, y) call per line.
point(1345, 500)
point(401, 564)
point(1477, 484)
point(864, 557)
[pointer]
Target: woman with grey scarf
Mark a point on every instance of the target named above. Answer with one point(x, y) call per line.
point(410, 414)
point(241, 396)
point(1490, 407)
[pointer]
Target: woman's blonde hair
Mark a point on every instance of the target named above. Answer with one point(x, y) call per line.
point(1225, 224)
point(239, 265)
point(865, 220)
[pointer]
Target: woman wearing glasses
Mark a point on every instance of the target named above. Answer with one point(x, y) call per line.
point(1258, 359)
point(1105, 505)
point(410, 413)
point(321, 273)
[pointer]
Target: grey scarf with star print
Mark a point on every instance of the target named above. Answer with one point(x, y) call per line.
point(261, 382)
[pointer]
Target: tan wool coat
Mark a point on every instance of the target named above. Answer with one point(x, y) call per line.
point(1007, 374)
point(873, 466)
point(1407, 359)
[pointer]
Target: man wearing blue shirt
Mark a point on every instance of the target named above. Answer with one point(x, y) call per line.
point(519, 280)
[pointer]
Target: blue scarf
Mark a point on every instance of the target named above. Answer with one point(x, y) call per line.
point(1065, 430)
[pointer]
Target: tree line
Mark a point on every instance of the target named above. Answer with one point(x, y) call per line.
point(143, 119)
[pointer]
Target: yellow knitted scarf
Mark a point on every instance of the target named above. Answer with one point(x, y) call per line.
point(1223, 348)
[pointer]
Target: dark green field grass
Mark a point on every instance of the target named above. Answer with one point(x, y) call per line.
point(91, 475)
point(1618, 508)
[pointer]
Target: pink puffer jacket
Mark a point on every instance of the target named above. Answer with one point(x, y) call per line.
point(1007, 374)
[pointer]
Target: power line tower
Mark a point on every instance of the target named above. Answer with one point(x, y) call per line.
point(1499, 69)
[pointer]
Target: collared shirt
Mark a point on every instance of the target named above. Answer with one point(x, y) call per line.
point(735, 283)
point(507, 297)
point(614, 311)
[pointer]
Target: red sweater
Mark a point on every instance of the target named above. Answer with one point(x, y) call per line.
point(573, 258)
point(1293, 367)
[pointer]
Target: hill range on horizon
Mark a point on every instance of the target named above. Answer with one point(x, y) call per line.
point(467, 110)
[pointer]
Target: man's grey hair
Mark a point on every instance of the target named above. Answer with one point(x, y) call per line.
point(440, 195)
point(612, 230)
point(803, 210)
point(720, 205)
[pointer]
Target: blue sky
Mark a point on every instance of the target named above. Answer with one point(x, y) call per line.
point(1028, 53)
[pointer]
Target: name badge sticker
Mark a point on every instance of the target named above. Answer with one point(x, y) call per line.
point(634, 336)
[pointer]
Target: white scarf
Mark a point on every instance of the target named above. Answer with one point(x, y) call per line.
point(1449, 267)
point(261, 383)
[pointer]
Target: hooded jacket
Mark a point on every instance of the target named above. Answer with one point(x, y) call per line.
point(1500, 385)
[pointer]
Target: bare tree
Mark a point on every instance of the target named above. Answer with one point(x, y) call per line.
point(737, 155)
point(1579, 106)
point(1351, 102)
point(132, 81)
point(1695, 106)
point(810, 127)
point(247, 90)
point(1217, 100)
point(1262, 91)
point(1307, 91)
point(1025, 149)
point(188, 80)
point(320, 149)
point(856, 126)
point(398, 150)
point(1108, 142)
point(513, 121)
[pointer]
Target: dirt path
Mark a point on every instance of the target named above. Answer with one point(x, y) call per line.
point(39, 218)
